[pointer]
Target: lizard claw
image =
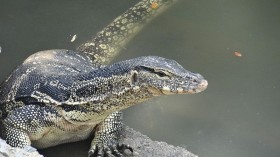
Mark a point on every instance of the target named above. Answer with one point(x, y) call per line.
point(123, 147)
point(109, 151)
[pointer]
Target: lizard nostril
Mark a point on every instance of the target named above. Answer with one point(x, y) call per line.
point(204, 83)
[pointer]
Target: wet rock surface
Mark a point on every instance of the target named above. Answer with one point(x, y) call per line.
point(145, 147)
point(8, 151)
point(142, 145)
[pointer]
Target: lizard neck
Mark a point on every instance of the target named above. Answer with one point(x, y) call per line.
point(108, 89)
point(101, 92)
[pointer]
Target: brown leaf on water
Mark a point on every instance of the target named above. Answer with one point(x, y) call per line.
point(237, 54)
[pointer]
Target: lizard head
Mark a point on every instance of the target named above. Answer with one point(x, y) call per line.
point(163, 76)
point(128, 82)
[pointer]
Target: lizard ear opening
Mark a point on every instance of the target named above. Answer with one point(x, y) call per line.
point(134, 77)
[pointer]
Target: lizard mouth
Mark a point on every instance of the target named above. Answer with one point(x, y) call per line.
point(197, 88)
point(186, 89)
point(167, 91)
point(202, 86)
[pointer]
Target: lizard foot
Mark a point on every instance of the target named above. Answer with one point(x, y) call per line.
point(109, 151)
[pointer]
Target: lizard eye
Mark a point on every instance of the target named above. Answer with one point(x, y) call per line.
point(161, 74)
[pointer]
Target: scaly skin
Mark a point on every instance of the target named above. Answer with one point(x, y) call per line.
point(108, 42)
point(60, 96)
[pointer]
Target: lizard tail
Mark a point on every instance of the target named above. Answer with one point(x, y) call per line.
point(108, 42)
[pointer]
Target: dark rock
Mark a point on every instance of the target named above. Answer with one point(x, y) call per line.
point(145, 147)
point(142, 145)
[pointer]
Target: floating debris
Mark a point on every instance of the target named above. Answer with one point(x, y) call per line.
point(237, 54)
point(74, 38)
point(154, 5)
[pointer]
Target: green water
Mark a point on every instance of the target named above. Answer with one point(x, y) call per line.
point(237, 116)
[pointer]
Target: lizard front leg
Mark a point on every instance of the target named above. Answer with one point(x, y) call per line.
point(14, 136)
point(107, 137)
point(19, 124)
point(23, 123)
